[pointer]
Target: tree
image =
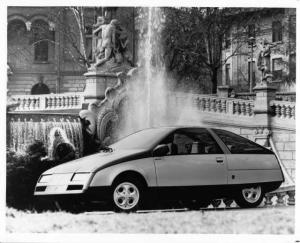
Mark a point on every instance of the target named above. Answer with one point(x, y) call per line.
point(196, 37)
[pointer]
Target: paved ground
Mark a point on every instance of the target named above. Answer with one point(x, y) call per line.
point(239, 221)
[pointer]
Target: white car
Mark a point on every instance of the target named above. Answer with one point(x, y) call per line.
point(191, 164)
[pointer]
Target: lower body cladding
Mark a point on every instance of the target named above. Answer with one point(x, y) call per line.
point(105, 193)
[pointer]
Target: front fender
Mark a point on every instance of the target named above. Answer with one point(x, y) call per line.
point(145, 167)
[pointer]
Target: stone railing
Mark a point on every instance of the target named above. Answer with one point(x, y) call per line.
point(225, 105)
point(284, 96)
point(245, 96)
point(283, 196)
point(214, 104)
point(283, 109)
point(49, 102)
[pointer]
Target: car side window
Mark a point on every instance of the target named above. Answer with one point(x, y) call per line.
point(240, 145)
point(192, 141)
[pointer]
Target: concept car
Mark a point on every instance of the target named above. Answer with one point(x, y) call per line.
point(192, 164)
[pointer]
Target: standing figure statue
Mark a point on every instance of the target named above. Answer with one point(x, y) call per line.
point(107, 43)
point(97, 34)
point(264, 57)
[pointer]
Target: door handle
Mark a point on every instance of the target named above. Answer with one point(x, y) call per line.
point(159, 158)
point(219, 160)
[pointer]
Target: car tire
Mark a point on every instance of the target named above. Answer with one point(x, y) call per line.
point(127, 195)
point(250, 196)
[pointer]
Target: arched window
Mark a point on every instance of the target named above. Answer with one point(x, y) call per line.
point(41, 38)
point(276, 31)
point(18, 48)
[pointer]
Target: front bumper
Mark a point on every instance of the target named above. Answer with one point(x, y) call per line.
point(101, 193)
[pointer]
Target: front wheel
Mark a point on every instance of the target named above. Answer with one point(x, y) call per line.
point(127, 195)
point(249, 197)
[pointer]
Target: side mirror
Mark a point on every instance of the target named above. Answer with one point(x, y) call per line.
point(160, 150)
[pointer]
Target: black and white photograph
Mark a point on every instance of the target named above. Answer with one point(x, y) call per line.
point(157, 119)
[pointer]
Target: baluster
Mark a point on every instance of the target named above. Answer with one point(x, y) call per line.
point(283, 111)
point(280, 201)
point(235, 108)
point(63, 101)
point(51, 102)
point(20, 101)
point(27, 104)
point(207, 105)
point(37, 105)
point(288, 112)
point(227, 202)
point(58, 102)
point(268, 201)
point(219, 106)
point(32, 104)
point(247, 109)
point(243, 108)
point(76, 100)
point(202, 104)
point(291, 200)
point(212, 105)
point(67, 101)
point(293, 112)
point(224, 106)
point(278, 110)
point(72, 101)
point(55, 102)
point(216, 203)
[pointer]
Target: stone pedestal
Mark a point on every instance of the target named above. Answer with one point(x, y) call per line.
point(265, 92)
point(96, 84)
point(224, 91)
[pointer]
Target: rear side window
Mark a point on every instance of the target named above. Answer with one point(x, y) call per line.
point(239, 145)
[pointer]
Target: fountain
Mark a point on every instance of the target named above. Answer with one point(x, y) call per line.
point(23, 132)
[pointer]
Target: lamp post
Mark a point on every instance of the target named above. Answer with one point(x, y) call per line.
point(251, 42)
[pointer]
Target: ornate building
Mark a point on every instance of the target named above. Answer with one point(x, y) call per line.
point(55, 43)
point(278, 28)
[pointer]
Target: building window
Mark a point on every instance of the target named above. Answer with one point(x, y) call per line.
point(251, 30)
point(41, 38)
point(277, 68)
point(227, 41)
point(276, 31)
point(227, 73)
point(249, 71)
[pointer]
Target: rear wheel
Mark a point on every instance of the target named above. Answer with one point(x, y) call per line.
point(127, 195)
point(250, 197)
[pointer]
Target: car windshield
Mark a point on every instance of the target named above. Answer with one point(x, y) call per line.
point(144, 139)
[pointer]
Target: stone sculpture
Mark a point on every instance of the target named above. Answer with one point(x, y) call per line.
point(263, 60)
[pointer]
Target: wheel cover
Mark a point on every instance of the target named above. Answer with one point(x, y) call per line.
point(252, 194)
point(126, 195)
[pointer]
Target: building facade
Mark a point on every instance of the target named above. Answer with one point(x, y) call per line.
point(242, 48)
point(50, 42)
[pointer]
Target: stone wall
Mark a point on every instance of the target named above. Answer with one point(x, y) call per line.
point(72, 84)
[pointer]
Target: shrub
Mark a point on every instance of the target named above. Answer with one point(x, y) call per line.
point(22, 173)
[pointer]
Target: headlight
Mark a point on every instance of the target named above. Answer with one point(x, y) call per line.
point(80, 177)
point(44, 178)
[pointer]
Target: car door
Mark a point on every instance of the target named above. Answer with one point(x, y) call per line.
point(195, 159)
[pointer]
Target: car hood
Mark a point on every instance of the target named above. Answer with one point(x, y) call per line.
point(97, 161)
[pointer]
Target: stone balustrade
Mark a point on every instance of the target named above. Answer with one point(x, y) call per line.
point(49, 102)
point(283, 109)
point(284, 196)
point(214, 104)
